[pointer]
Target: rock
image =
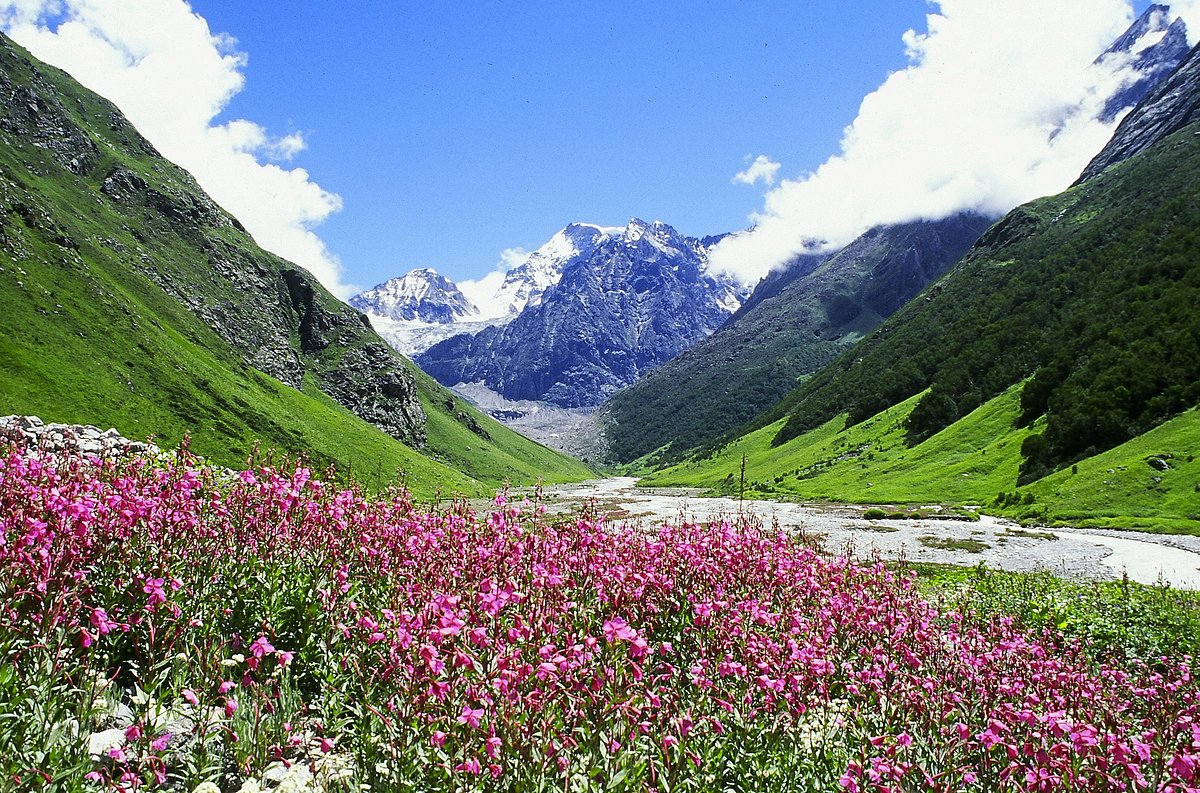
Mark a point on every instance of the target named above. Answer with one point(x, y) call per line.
point(1172, 105)
point(101, 743)
point(637, 300)
point(31, 432)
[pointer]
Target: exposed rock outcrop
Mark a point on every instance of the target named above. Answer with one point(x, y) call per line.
point(638, 300)
point(1172, 105)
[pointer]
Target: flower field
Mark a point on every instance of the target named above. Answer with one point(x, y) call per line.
point(165, 625)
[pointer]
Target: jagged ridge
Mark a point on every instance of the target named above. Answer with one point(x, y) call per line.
point(639, 299)
point(795, 321)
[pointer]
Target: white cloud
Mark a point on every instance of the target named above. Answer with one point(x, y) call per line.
point(762, 169)
point(1190, 11)
point(512, 257)
point(998, 106)
point(482, 292)
point(171, 76)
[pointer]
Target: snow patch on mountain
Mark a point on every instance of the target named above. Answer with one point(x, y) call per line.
point(420, 309)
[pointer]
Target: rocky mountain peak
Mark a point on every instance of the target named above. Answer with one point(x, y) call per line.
point(1172, 104)
point(1155, 19)
point(1152, 47)
point(423, 295)
point(637, 298)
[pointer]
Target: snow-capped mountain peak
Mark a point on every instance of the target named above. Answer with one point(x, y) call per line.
point(422, 295)
point(393, 305)
point(1147, 52)
point(524, 284)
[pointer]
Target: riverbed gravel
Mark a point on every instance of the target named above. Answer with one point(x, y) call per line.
point(1086, 554)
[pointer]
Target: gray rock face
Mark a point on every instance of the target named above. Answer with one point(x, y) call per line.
point(1173, 104)
point(796, 320)
point(637, 301)
point(422, 295)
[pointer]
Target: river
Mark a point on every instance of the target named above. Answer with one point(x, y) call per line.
point(998, 543)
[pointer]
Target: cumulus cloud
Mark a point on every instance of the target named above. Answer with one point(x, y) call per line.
point(171, 76)
point(482, 293)
point(997, 106)
point(513, 257)
point(762, 169)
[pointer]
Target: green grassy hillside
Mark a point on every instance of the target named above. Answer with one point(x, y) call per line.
point(89, 334)
point(975, 461)
point(1089, 296)
point(797, 321)
point(870, 462)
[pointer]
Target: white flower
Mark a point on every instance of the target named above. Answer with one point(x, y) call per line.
point(298, 780)
point(250, 786)
point(206, 787)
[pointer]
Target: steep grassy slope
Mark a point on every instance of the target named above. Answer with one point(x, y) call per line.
point(795, 323)
point(1091, 292)
point(870, 462)
point(129, 299)
point(1147, 483)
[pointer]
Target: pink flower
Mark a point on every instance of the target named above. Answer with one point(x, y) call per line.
point(492, 746)
point(470, 716)
point(161, 742)
point(284, 657)
point(326, 745)
point(618, 629)
point(472, 766)
point(231, 707)
point(103, 624)
point(438, 739)
point(260, 647)
point(190, 697)
point(154, 588)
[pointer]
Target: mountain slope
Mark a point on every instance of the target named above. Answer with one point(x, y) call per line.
point(638, 300)
point(1146, 483)
point(132, 300)
point(1088, 296)
point(793, 323)
point(420, 309)
point(1171, 105)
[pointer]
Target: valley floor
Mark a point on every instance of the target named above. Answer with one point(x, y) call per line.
point(1090, 554)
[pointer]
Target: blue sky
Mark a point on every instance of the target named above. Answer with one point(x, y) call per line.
point(363, 139)
point(453, 134)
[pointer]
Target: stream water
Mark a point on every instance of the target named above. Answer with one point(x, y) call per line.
point(1075, 553)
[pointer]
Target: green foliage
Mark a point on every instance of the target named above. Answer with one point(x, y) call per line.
point(87, 336)
point(1116, 618)
point(1089, 296)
